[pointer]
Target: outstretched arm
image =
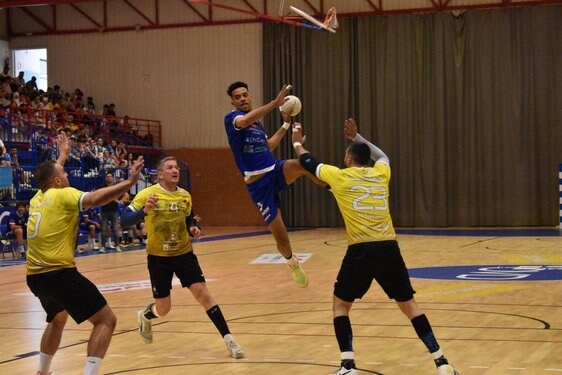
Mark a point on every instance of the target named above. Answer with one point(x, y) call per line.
point(306, 159)
point(130, 217)
point(273, 142)
point(258, 113)
point(109, 193)
point(64, 148)
point(350, 132)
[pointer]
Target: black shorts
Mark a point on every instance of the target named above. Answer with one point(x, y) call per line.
point(162, 269)
point(366, 261)
point(68, 290)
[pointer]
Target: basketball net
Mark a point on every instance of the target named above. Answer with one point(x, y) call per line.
point(331, 20)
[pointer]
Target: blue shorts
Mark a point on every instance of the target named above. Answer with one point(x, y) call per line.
point(265, 192)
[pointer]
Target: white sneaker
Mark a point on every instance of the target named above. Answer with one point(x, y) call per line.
point(235, 350)
point(447, 370)
point(110, 245)
point(95, 246)
point(344, 371)
point(145, 327)
point(118, 248)
point(102, 250)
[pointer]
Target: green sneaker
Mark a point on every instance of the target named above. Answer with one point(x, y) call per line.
point(299, 275)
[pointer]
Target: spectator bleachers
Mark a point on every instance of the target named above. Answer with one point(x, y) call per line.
point(35, 142)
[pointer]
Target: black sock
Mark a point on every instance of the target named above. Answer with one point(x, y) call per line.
point(148, 314)
point(344, 335)
point(215, 314)
point(425, 333)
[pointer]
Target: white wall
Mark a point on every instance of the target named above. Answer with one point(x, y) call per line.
point(178, 76)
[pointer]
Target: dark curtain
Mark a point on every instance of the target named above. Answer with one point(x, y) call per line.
point(468, 108)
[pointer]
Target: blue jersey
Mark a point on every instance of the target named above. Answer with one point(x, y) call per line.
point(16, 219)
point(249, 146)
point(91, 214)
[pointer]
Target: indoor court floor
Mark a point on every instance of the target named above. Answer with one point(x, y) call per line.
point(494, 298)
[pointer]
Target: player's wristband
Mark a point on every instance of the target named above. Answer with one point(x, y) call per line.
point(286, 125)
point(295, 144)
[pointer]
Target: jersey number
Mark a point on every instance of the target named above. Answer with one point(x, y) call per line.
point(34, 219)
point(378, 193)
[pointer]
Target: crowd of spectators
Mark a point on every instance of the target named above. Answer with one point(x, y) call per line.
point(55, 109)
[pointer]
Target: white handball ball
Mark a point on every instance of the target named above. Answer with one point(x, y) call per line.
point(292, 105)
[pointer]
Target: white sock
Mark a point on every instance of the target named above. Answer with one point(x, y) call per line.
point(347, 355)
point(93, 365)
point(153, 309)
point(228, 338)
point(437, 354)
point(45, 362)
point(293, 261)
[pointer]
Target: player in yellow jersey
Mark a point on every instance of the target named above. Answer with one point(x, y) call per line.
point(362, 192)
point(51, 272)
point(166, 209)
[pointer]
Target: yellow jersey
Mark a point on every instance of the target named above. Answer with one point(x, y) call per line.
point(362, 197)
point(165, 223)
point(52, 229)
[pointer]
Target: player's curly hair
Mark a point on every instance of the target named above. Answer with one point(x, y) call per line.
point(236, 85)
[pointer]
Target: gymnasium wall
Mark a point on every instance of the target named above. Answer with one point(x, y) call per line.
point(178, 76)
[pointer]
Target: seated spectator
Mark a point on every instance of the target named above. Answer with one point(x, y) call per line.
point(121, 150)
point(108, 161)
point(90, 220)
point(18, 226)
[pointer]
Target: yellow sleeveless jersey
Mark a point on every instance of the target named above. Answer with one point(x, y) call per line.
point(362, 197)
point(52, 229)
point(165, 224)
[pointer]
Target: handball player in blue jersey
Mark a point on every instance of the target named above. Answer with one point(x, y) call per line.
point(264, 175)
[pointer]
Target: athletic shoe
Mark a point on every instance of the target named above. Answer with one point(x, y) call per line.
point(102, 250)
point(447, 370)
point(344, 371)
point(299, 275)
point(118, 249)
point(235, 350)
point(95, 247)
point(145, 327)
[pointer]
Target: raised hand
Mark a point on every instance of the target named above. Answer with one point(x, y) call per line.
point(280, 99)
point(63, 143)
point(136, 169)
point(297, 135)
point(350, 129)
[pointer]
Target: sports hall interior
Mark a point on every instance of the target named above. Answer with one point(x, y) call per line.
point(463, 96)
